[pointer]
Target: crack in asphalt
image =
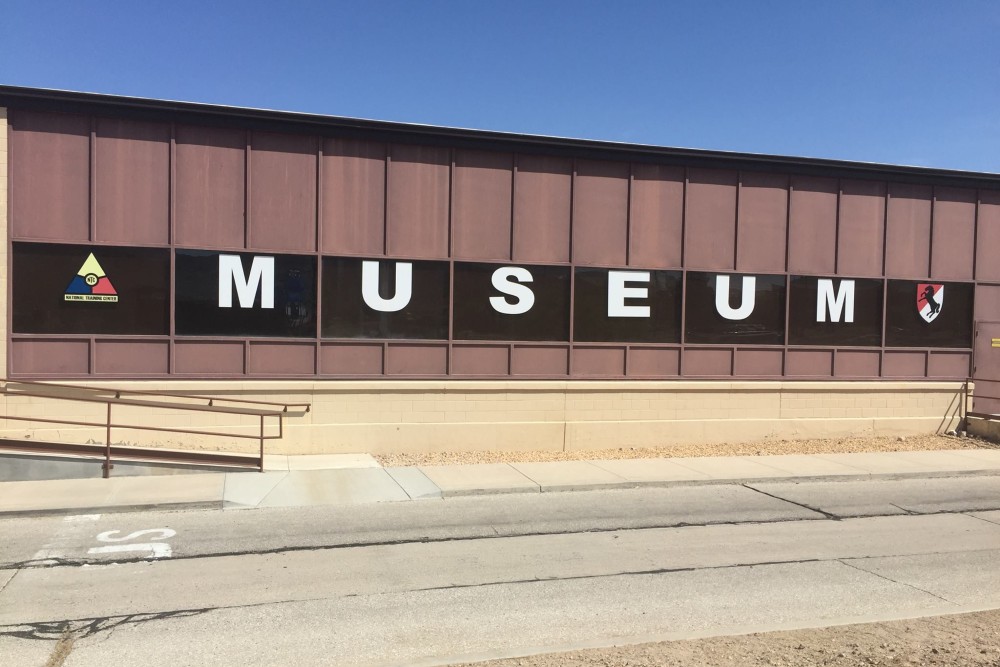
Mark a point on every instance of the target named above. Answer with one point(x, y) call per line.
point(494, 535)
point(625, 573)
point(83, 628)
point(824, 516)
point(7, 583)
point(982, 518)
point(890, 579)
point(828, 515)
point(88, 627)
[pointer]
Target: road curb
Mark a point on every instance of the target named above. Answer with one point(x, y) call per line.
point(662, 484)
point(109, 509)
point(222, 504)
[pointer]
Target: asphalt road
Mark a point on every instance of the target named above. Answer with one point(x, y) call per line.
point(433, 582)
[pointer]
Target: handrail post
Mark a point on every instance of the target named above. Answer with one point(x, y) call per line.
point(107, 447)
point(965, 407)
point(262, 443)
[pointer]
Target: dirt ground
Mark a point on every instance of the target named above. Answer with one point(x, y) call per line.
point(962, 640)
point(763, 448)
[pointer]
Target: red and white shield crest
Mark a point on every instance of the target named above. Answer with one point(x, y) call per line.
point(930, 300)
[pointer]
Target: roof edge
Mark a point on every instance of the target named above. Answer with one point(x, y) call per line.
point(82, 102)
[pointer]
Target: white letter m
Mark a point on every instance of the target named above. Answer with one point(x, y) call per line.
point(841, 304)
point(231, 275)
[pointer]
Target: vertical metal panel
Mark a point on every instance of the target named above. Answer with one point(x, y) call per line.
point(988, 230)
point(908, 231)
point(809, 363)
point(987, 302)
point(600, 213)
point(904, 364)
point(281, 358)
point(759, 362)
point(133, 181)
point(49, 357)
point(542, 204)
point(598, 361)
point(654, 362)
point(210, 192)
point(812, 232)
point(763, 215)
point(351, 359)
point(132, 357)
point(710, 225)
point(407, 359)
point(353, 215)
point(418, 201)
point(707, 362)
point(208, 357)
point(857, 363)
point(657, 216)
point(49, 176)
point(950, 365)
point(480, 359)
point(862, 228)
point(283, 192)
point(953, 245)
point(539, 360)
point(481, 218)
point(986, 372)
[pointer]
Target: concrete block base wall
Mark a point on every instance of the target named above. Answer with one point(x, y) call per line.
point(423, 416)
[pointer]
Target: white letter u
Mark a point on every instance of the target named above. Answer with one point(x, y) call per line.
point(370, 292)
point(747, 298)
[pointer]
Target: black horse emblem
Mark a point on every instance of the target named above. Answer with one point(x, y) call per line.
point(929, 298)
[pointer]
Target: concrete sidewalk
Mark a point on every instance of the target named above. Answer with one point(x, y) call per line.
point(345, 479)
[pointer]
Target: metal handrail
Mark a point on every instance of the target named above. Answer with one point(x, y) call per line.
point(108, 424)
point(971, 394)
point(285, 407)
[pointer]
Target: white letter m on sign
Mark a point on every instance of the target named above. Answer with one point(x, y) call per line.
point(261, 277)
point(839, 304)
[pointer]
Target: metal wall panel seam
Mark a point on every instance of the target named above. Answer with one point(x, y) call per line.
point(318, 254)
point(172, 240)
point(572, 269)
point(930, 240)
point(451, 263)
point(247, 183)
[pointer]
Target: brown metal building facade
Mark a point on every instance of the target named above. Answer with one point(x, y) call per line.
point(150, 181)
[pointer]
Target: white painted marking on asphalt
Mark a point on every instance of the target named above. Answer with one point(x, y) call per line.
point(82, 517)
point(163, 534)
point(155, 549)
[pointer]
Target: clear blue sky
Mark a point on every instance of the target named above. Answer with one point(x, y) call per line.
point(896, 81)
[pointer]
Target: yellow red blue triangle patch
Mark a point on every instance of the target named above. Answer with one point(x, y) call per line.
point(91, 283)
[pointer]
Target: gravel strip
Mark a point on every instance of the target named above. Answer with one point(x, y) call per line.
point(762, 448)
point(963, 640)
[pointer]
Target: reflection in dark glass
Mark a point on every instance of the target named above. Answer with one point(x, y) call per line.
point(345, 314)
point(42, 274)
point(476, 319)
point(591, 322)
point(904, 327)
point(764, 326)
point(197, 311)
point(866, 329)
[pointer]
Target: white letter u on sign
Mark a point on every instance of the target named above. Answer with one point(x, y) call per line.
point(747, 298)
point(369, 287)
